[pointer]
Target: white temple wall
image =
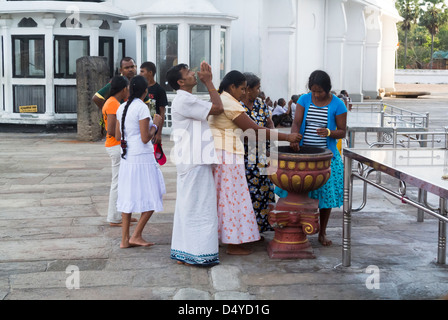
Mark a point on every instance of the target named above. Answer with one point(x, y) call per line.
point(246, 35)
point(310, 37)
point(284, 41)
point(335, 43)
point(354, 50)
point(372, 54)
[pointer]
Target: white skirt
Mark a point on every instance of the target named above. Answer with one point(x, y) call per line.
point(140, 185)
point(195, 227)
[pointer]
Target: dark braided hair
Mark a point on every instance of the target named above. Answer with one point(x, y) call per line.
point(137, 88)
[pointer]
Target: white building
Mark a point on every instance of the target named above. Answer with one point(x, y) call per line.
point(282, 41)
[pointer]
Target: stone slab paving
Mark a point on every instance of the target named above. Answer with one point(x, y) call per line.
point(53, 204)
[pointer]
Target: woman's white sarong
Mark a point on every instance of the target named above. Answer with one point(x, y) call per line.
point(195, 227)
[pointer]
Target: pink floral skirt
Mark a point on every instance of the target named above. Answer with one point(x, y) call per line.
point(237, 223)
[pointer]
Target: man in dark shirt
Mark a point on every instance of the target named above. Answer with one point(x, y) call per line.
point(156, 93)
point(128, 69)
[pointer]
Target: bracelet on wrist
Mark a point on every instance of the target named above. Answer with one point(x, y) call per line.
point(155, 126)
point(329, 132)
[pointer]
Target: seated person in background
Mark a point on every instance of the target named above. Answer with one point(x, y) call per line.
point(292, 105)
point(270, 104)
point(347, 100)
point(282, 114)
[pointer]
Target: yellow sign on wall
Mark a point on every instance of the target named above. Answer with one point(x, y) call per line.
point(28, 109)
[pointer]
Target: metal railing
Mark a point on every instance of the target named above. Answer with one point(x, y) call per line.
point(393, 115)
point(431, 140)
point(385, 117)
point(411, 139)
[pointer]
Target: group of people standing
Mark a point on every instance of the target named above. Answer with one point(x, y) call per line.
point(223, 192)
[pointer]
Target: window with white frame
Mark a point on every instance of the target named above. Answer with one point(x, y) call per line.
point(167, 52)
point(28, 54)
point(67, 50)
point(29, 95)
point(65, 99)
point(200, 49)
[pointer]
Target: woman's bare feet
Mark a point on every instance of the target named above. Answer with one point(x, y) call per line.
point(324, 217)
point(133, 242)
point(140, 242)
point(234, 249)
point(125, 244)
point(115, 225)
point(324, 241)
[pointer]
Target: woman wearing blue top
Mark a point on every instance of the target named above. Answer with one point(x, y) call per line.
point(321, 118)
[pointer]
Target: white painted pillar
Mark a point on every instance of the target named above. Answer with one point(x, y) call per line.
point(184, 43)
point(49, 21)
point(354, 51)
point(5, 23)
point(372, 55)
point(388, 51)
point(215, 53)
point(116, 27)
point(138, 34)
point(148, 45)
point(152, 42)
point(94, 24)
point(336, 31)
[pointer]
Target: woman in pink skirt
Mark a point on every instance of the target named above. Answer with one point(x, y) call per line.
point(237, 223)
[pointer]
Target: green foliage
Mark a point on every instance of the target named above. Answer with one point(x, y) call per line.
point(434, 16)
point(424, 29)
point(409, 11)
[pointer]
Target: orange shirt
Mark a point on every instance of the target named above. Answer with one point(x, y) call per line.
point(110, 107)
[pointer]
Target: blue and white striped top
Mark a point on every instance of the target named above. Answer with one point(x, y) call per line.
point(317, 118)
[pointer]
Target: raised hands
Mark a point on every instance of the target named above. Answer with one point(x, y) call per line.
point(205, 74)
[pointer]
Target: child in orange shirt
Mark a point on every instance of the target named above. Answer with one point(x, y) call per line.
point(119, 92)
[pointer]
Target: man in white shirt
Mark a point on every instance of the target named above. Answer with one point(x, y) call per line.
point(282, 114)
point(279, 110)
point(195, 227)
point(293, 105)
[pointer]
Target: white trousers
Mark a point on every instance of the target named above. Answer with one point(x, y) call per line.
point(113, 215)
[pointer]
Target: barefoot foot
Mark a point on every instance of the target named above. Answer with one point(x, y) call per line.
point(115, 225)
point(324, 241)
point(140, 242)
point(126, 245)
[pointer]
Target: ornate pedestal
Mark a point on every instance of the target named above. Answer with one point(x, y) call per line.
point(297, 216)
